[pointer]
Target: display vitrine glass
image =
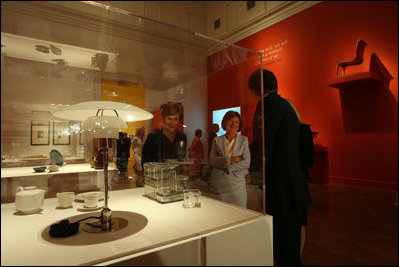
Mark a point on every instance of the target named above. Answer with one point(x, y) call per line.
point(163, 181)
point(57, 54)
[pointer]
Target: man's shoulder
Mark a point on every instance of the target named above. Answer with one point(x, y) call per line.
point(278, 103)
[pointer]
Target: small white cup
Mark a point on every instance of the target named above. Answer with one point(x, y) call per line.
point(91, 199)
point(192, 198)
point(65, 199)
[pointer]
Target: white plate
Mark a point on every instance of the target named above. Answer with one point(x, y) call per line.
point(29, 211)
point(83, 208)
point(100, 195)
point(63, 208)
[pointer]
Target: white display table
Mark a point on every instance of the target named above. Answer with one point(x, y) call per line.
point(215, 234)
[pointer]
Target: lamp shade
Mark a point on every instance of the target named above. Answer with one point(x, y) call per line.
point(84, 110)
point(103, 126)
point(103, 119)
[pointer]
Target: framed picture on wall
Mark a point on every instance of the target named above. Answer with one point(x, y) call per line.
point(40, 133)
point(61, 133)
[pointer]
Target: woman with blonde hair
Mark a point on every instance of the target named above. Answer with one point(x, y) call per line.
point(230, 159)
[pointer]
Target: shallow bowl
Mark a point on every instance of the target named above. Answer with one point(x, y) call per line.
point(40, 169)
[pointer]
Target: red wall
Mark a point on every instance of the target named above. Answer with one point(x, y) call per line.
point(311, 43)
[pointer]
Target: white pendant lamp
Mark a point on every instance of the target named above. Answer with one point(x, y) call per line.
point(103, 126)
point(104, 119)
point(82, 111)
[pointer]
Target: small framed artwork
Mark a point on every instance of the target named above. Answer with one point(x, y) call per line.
point(61, 133)
point(40, 133)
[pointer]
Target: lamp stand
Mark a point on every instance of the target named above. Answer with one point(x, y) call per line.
point(106, 223)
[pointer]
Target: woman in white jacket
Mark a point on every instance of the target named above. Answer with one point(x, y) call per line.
point(230, 159)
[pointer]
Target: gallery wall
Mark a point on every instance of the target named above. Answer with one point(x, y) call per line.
point(303, 51)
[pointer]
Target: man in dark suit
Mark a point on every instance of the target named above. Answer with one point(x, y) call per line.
point(287, 193)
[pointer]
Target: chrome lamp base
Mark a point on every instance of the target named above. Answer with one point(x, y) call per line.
point(105, 224)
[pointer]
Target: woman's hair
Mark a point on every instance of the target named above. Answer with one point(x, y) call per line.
point(139, 129)
point(231, 114)
point(172, 108)
point(198, 132)
point(269, 82)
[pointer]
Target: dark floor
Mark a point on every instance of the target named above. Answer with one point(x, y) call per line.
point(347, 225)
point(351, 226)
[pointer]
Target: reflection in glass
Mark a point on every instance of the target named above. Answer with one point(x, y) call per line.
point(62, 53)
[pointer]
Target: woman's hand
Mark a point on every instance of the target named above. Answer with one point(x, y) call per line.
point(235, 159)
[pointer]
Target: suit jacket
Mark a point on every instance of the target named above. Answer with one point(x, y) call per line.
point(256, 144)
point(229, 178)
point(286, 185)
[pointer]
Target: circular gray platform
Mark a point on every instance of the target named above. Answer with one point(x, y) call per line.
point(136, 222)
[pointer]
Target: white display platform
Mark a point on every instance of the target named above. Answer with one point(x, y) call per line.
point(69, 168)
point(215, 234)
point(24, 162)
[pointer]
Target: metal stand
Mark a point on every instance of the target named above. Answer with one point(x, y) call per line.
point(106, 223)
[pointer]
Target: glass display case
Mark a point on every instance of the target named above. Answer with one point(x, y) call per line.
point(57, 54)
